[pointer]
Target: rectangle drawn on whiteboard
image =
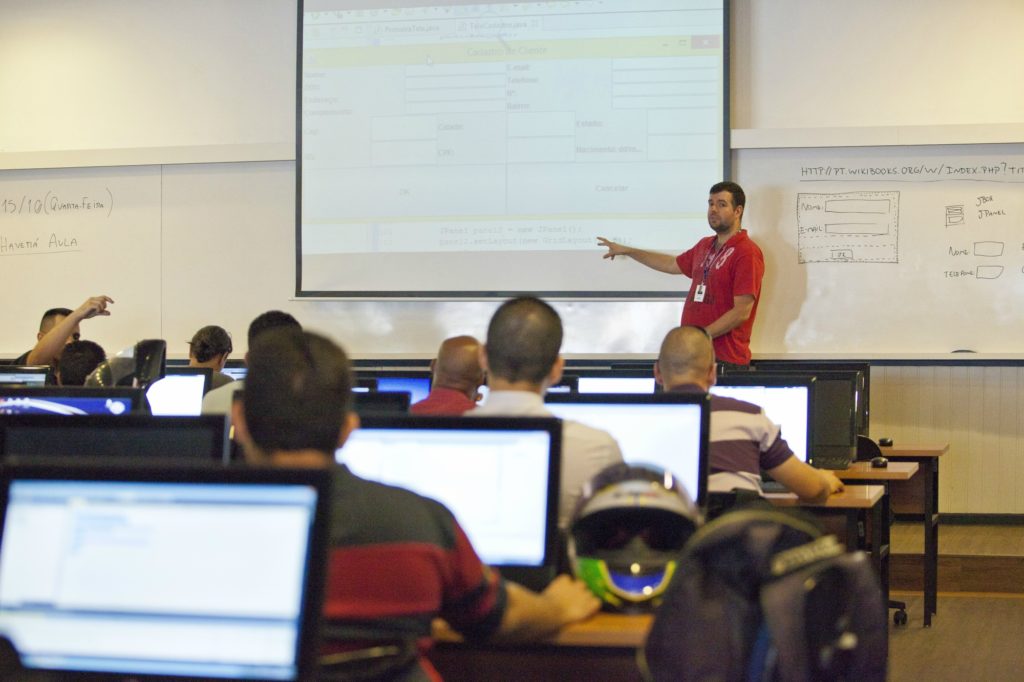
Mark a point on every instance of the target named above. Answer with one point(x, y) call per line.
point(848, 227)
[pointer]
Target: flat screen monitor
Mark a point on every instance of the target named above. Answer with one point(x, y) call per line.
point(197, 573)
point(614, 381)
point(786, 400)
point(374, 402)
point(180, 392)
point(813, 367)
point(71, 400)
point(132, 436)
point(416, 385)
point(236, 369)
point(28, 375)
point(667, 430)
point(499, 476)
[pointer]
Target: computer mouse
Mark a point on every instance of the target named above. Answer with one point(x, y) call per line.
point(879, 463)
point(885, 442)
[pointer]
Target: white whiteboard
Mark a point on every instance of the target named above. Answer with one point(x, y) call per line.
point(68, 234)
point(900, 250)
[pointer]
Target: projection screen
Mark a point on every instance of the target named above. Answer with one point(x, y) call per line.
point(451, 150)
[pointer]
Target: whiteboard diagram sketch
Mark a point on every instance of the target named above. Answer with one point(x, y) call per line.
point(848, 227)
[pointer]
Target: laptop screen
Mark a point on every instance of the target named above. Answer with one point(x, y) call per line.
point(787, 402)
point(669, 431)
point(28, 376)
point(69, 400)
point(611, 384)
point(499, 477)
point(200, 579)
point(180, 392)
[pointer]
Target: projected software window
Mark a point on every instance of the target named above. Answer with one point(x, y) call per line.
point(504, 127)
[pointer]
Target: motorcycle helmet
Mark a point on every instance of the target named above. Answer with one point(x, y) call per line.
point(139, 365)
point(626, 533)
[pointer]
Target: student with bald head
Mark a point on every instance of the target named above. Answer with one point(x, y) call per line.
point(457, 377)
point(744, 442)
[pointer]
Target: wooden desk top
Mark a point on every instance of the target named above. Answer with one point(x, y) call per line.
point(600, 630)
point(915, 450)
point(854, 497)
point(863, 471)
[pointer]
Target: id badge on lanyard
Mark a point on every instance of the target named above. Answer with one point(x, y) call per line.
point(701, 291)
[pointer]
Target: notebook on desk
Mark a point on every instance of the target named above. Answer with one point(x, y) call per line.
point(196, 573)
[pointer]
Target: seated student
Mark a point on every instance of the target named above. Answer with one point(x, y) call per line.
point(64, 330)
point(218, 401)
point(210, 347)
point(744, 441)
point(457, 377)
point(398, 560)
point(49, 319)
point(521, 360)
point(78, 361)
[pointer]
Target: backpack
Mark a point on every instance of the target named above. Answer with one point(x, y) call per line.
point(760, 594)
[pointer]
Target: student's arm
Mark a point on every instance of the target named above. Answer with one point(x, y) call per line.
point(742, 306)
point(532, 615)
point(50, 346)
point(809, 484)
point(662, 262)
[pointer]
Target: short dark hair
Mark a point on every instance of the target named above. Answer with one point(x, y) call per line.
point(297, 391)
point(739, 197)
point(50, 316)
point(271, 319)
point(209, 342)
point(78, 361)
point(523, 340)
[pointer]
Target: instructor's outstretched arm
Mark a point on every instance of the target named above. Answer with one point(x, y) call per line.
point(662, 262)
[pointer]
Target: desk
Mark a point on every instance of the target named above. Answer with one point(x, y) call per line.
point(853, 501)
point(927, 457)
point(600, 648)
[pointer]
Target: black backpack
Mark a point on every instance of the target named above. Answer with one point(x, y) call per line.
point(761, 594)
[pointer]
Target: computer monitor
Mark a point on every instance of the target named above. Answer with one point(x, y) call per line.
point(25, 375)
point(374, 402)
point(838, 396)
point(198, 573)
point(667, 430)
point(71, 400)
point(614, 381)
point(180, 392)
point(786, 400)
point(132, 436)
point(236, 369)
point(815, 366)
point(499, 476)
point(416, 385)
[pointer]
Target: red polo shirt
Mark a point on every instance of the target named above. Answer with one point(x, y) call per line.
point(736, 269)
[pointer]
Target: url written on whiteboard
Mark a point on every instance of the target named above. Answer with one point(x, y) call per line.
point(52, 203)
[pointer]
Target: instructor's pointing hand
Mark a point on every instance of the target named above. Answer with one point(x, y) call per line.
point(613, 248)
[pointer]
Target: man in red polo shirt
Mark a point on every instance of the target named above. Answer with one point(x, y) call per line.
point(725, 272)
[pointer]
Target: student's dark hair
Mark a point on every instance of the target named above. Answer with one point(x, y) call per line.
point(297, 391)
point(271, 319)
point(739, 197)
point(78, 360)
point(209, 342)
point(523, 340)
point(50, 315)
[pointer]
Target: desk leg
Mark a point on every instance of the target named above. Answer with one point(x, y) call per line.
point(880, 518)
point(931, 537)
